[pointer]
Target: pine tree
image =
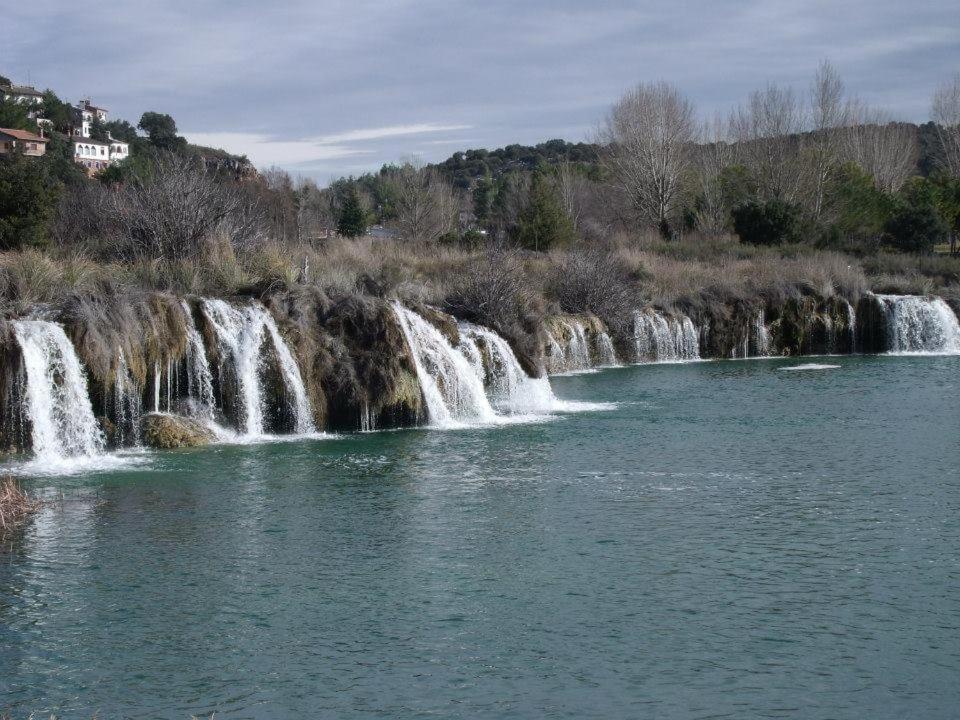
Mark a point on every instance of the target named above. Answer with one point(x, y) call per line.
point(544, 223)
point(353, 219)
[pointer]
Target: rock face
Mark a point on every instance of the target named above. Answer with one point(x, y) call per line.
point(163, 431)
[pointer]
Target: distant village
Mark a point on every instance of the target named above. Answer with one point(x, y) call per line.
point(93, 154)
point(93, 146)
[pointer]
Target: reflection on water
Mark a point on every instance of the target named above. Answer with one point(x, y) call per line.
point(726, 539)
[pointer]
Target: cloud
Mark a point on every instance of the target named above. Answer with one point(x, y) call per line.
point(280, 81)
point(388, 132)
point(265, 151)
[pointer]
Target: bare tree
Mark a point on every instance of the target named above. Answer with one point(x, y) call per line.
point(946, 114)
point(315, 214)
point(884, 149)
point(574, 190)
point(426, 205)
point(649, 132)
point(767, 131)
point(829, 112)
point(714, 154)
point(173, 211)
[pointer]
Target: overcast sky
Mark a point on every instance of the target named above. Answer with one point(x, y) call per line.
point(330, 87)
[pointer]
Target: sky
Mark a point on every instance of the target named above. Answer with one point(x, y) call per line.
point(324, 88)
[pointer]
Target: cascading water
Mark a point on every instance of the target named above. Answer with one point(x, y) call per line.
point(452, 389)
point(572, 352)
point(917, 324)
point(199, 376)
point(57, 403)
point(241, 335)
point(761, 335)
point(578, 349)
point(555, 360)
point(513, 391)
point(851, 325)
point(127, 404)
point(661, 339)
point(605, 351)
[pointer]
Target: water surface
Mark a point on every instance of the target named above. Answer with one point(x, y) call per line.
point(730, 541)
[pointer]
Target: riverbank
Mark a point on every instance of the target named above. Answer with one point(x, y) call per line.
point(90, 374)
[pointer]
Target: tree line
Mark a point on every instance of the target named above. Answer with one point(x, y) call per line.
point(817, 167)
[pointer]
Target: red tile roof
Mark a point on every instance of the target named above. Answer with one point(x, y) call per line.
point(22, 135)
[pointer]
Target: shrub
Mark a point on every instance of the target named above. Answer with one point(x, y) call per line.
point(544, 223)
point(916, 229)
point(771, 223)
point(15, 505)
point(353, 218)
point(28, 197)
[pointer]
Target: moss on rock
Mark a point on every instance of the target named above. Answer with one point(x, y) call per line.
point(165, 432)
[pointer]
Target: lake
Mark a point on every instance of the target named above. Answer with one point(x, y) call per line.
point(725, 539)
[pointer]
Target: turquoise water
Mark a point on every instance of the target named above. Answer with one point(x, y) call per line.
point(732, 540)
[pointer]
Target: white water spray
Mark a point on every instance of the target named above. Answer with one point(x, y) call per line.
point(513, 392)
point(452, 389)
point(761, 335)
point(661, 339)
point(127, 403)
point(241, 335)
point(199, 375)
point(917, 324)
point(57, 403)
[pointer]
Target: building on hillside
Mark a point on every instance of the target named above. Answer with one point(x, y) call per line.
point(29, 144)
point(94, 155)
point(26, 94)
point(84, 115)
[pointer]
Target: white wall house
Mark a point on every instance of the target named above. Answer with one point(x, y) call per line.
point(94, 155)
point(24, 94)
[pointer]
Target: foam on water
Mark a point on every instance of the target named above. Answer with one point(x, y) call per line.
point(810, 366)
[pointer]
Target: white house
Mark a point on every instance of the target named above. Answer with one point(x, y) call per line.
point(94, 155)
point(24, 94)
point(84, 115)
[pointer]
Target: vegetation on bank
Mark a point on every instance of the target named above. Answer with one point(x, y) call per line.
point(791, 195)
point(15, 506)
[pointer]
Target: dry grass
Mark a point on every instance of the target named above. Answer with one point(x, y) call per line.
point(15, 505)
point(693, 272)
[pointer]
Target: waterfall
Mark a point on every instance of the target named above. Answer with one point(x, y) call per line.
point(917, 324)
point(761, 335)
point(605, 352)
point(58, 406)
point(452, 389)
point(199, 376)
point(578, 349)
point(241, 335)
point(555, 360)
point(513, 392)
point(127, 403)
point(661, 339)
point(572, 352)
point(851, 325)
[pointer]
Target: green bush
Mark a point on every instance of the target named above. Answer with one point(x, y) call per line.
point(915, 228)
point(28, 198)
point(544, 223)
point(771, 223)
point(353, 218)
